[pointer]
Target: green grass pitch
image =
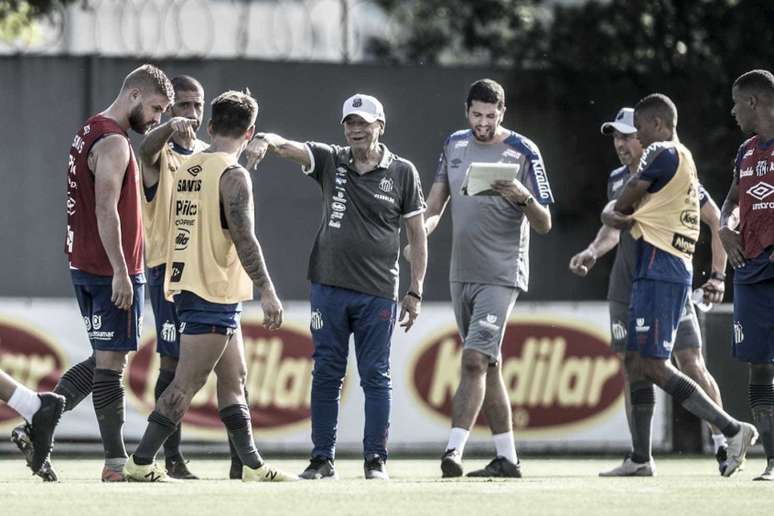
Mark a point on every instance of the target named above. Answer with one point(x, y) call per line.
point(561, 486)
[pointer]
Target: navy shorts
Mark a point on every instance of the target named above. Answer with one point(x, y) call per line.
point(164, 313)
point(198, 316)
point(754, 322)
point(654, 315)
point(109, 328)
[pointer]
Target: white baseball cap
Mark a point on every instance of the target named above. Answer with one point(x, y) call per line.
point(623, 123)
point(365, 106)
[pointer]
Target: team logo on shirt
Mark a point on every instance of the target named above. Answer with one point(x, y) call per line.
point(455, 163)
point(683, 243)
point(177, 271)
point(689, 219)
point(182, 238)
point(761, 190)
point(385, 185)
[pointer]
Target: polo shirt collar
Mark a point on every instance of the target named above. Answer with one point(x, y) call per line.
point(386, 161)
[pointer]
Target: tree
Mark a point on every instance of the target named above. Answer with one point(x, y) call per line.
point(495, 32)
point(18, 17)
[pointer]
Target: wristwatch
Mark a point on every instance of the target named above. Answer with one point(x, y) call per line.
point(414, 295)
point(529, 200)
point(720, 276)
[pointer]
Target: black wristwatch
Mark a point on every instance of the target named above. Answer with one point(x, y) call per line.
point(720, 276)
point(529, 200)
point(414, 295)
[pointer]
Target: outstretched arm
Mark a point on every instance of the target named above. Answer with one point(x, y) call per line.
point(154, 142)
point(236, 193)
point(264, 142)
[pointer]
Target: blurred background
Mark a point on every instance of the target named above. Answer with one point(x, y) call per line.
point(567, 66)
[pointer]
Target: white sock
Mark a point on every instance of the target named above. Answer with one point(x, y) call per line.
point(457, 439)
point(505, 446)
point(25, 402)
point(719, 440)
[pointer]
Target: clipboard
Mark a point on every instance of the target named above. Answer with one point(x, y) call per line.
point(480, 177)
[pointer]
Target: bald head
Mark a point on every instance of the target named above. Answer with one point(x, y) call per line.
point(150, 80)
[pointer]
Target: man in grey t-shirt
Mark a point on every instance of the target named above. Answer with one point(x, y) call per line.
point(687, 349)
point(367, 191)
point(489, 264)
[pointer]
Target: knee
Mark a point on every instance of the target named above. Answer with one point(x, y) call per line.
point(375, 378)
point(328, 372)
point(189, 383)
point(474, 364)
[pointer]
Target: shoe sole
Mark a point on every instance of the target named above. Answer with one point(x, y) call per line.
point(450, 469)
point(734, 465)
point(22, 442)
point(636, 474)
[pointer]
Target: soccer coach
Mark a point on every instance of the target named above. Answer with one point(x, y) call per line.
point(353, 268)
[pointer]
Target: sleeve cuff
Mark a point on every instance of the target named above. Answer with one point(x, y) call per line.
point(309, 152)
point(414, 213)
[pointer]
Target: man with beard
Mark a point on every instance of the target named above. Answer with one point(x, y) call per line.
point(687, 351)
point(747, 230)
point(104, 246)
point(489, 264)
point(161, 152)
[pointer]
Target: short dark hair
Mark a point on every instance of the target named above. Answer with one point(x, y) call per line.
point(186, 83)
point(149, 79)
point(486, 90)
point(658, 104)
point(758, 81)
point(233, 113)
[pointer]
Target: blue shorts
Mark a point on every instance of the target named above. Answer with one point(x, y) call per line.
point(109, 328)
point(654, 315)
point(198, 316)
point(164, 313)
point(754, 322)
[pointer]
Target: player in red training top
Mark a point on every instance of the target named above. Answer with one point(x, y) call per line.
point(747, 231)
point(104, 246)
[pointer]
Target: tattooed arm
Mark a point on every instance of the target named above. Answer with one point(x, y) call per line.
point(236, 196)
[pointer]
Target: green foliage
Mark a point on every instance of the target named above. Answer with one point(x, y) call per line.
point(441, 31)
point(18, 17)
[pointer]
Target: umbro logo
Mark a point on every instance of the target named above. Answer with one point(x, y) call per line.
point(194, 170)
point(761, 190)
